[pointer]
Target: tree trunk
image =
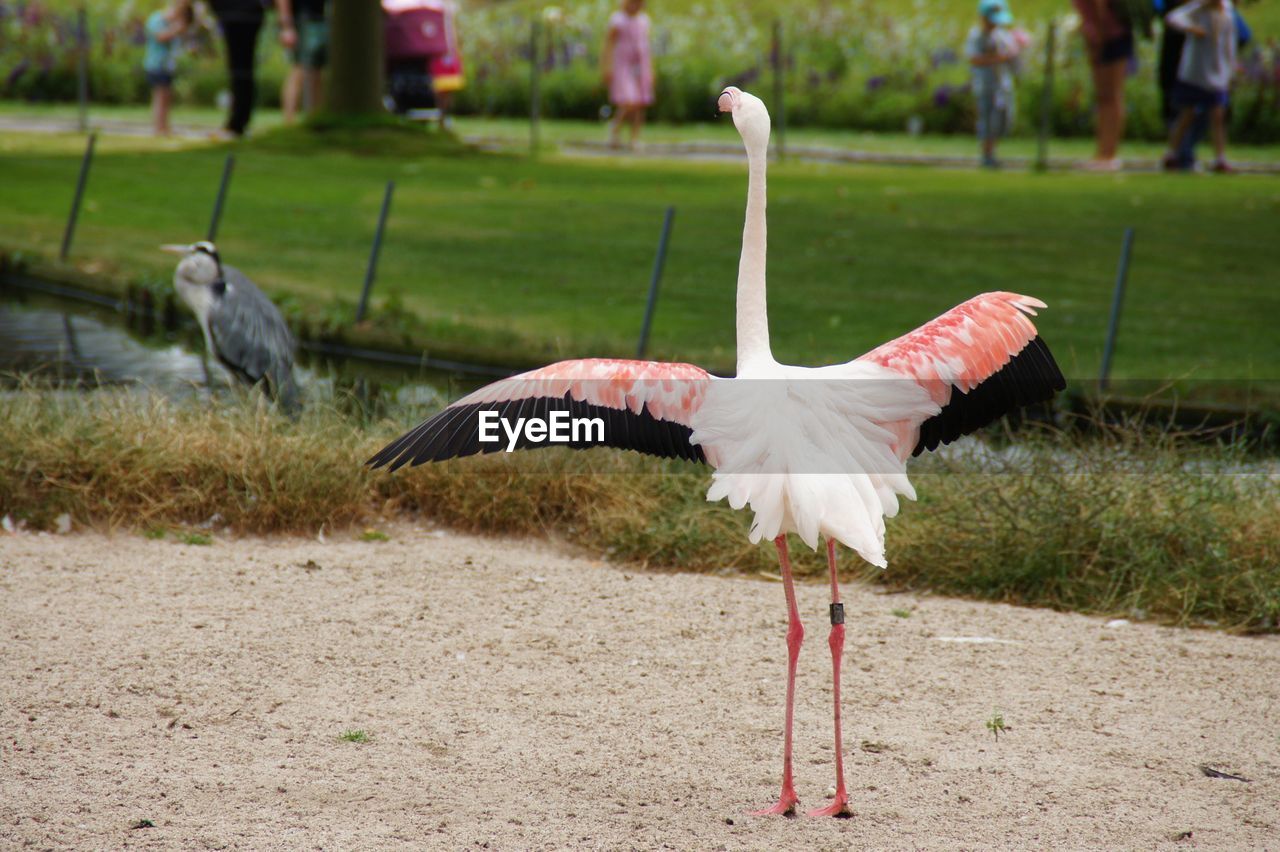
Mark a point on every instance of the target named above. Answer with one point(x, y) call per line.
point(355, 76)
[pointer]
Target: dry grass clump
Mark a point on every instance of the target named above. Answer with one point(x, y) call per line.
point(1116, 523)
point(1126, 522)
point(118, 458)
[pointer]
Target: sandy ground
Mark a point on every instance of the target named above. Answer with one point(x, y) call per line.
point(517, 696)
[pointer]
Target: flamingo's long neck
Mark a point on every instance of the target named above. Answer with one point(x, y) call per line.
point(753, 315)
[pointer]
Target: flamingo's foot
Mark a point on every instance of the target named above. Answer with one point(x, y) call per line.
point(786, 806)
point(839, 808)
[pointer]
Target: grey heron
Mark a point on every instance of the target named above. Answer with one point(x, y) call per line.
point(242, 328)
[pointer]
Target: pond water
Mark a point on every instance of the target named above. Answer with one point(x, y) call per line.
point(48, 345)
point(92, 342)
point(87, 342)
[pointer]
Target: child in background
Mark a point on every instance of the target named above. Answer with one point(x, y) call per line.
point(991, 51)
point(1204, 73)
point(307, 58)
point(160, 60)
point(628, 69)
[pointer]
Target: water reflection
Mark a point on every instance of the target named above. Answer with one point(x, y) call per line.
point(54, 343)
point(60, 347)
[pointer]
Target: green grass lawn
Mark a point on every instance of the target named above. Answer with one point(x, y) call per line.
point(554, 255)
point(514, 132)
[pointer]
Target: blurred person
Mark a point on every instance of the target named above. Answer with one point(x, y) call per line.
point(1109, 40)
point(628, 69)
point(163, 28)
point(307, 58)
point(1172, 40)
point(240, 21)
point(992, 50)
point(1204, 74)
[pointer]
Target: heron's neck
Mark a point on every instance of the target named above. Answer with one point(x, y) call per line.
point(753, 315)
point(196, 297)
point(200, 299)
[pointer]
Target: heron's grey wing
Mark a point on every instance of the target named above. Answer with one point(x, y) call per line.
point(251, 337)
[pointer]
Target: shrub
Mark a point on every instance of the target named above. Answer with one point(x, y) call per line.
point(848, 63)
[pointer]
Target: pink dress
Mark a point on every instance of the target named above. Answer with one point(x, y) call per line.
point(632, 82)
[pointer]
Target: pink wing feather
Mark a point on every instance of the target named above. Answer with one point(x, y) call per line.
point(645, 405)
point(986, 348)
point(669, 391)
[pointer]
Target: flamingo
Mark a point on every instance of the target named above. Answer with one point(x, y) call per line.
point(820, 452)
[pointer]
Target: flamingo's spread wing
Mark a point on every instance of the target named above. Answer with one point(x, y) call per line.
point(645, 406)
point(988, 350)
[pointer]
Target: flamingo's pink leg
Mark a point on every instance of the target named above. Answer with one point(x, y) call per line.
point(839, 806)
point(795, 635)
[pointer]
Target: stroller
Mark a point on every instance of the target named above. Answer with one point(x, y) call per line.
point(423, 66)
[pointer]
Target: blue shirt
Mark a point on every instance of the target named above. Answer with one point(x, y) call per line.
point(990, 78)
point(160, 56)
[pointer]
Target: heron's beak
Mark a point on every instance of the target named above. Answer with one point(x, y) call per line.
point(176, 248)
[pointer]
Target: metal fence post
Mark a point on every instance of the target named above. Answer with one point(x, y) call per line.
point(82, 67)
point(372, 269)
point(1117, 299)
point(658, 263)
point(1046, 100)
point(75, 202)
point(222, 197)
point(535, 94)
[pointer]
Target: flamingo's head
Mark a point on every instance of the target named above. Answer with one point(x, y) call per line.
point(749, 116)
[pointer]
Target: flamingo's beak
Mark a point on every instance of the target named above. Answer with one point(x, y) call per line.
point(175, 248)
point(725, 103)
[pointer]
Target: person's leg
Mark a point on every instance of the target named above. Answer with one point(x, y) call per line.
point(1181, 126)
point(1218, 124)
point(620, 113)
point(1179, 131)
point(1186, 152)
point(986, 117)
point(157, 126)
point(315, 42)
point(312, 87)
point(1001, 118)
point(242, 42)
point(290, 92)
point(166, 104)
point(1118, 112)
point(1095, 70)
point(1008, 114)
point(1108, 80)
point(637, 122)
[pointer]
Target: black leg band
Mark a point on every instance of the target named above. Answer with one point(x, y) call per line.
point(837, 613)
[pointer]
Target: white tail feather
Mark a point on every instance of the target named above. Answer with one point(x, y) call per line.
point(806, 453)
